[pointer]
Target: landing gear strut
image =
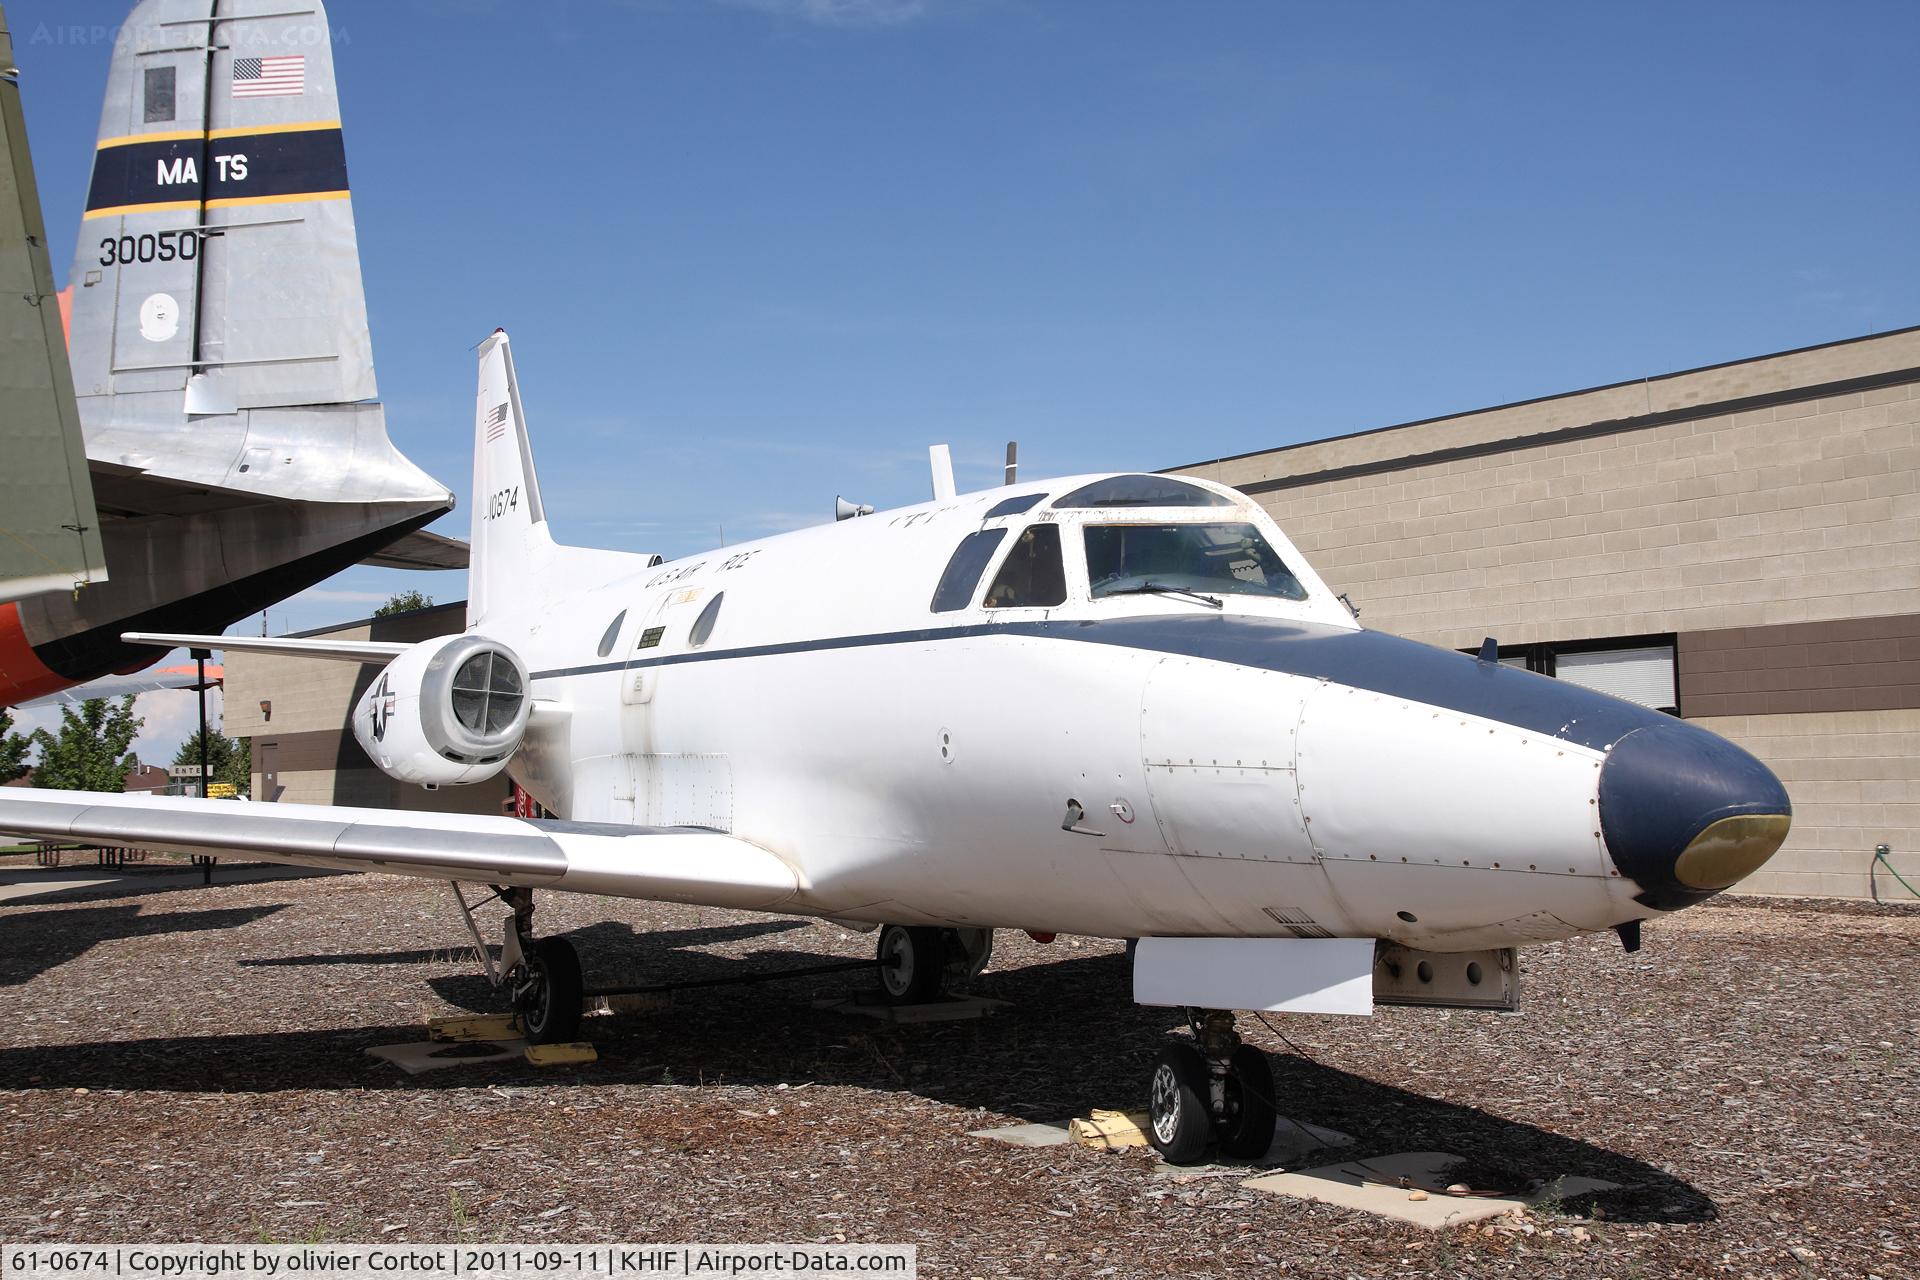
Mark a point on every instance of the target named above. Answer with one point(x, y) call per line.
point(1216, 1089)
point(543, 976)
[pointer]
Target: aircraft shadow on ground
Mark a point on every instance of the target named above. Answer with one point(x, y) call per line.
point(37, 942)
point(1070, 1039)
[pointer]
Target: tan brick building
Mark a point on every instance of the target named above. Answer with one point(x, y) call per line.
point(296, 711)
point(1740, 543)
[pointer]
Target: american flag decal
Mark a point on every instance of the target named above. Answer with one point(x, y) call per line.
point(279, 77)
point(496, 423)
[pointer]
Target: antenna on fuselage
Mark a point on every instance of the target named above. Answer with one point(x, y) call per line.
point(844, 510)
point(1013, 460)
point(941, 458)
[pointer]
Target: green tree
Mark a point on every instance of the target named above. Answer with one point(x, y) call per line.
point(228, 759)
point(404, 602)
point(90, 753)
point(13, 749)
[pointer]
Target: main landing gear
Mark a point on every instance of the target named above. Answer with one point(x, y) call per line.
point(1217, 1089)
point(541, 975)
point(918, 962)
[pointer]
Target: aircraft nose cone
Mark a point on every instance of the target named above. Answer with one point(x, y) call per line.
point(1685, 813)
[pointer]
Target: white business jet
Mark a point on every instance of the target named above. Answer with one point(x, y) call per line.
point(1112, 705)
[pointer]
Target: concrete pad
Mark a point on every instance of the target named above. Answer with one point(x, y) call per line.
point(954, 1010)
point(1027, 1135)
point(1293, 1141)
point(431, 1055)
point(495, 1026)
point(31, 883)
point(1372, 1187)
point(28, 882)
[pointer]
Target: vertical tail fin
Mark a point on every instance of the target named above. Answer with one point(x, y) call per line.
point(511, 541)
point(218, 243)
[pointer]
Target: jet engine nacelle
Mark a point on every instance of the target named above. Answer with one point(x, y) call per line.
point(445, 712)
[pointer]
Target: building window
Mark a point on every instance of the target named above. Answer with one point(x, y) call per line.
point(1636, 668)
point(1642, 675)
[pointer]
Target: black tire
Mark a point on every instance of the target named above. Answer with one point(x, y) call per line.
point(1178, 1125)
point(551, 1012)
point(913, 963)
point(1246, 1130)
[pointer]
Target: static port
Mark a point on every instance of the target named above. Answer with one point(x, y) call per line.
point(1473, 972)
point(1408, 916)
point(1425, 971)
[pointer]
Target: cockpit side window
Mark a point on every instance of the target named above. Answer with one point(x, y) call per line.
point(1032, 575)
point(1142, 491)
point(970, 560)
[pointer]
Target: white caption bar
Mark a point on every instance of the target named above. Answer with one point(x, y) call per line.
point(439, 1262)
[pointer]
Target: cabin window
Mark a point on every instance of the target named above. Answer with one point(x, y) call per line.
point(1142, 491)
point(613, 633)
point(703, 625)
point(1137, 559)
point(1031, 576)
point(1014, 506)
point(969, 561)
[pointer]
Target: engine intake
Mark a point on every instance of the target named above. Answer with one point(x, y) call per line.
point(446, 712)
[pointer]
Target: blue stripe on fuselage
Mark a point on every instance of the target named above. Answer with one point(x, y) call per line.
point(1370, 660)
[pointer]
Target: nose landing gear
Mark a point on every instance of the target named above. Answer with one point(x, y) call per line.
point(1217, 1089)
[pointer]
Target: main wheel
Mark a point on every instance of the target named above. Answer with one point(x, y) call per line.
point(911, 963)
point(1246, 1130)
point(550, 1013)
point(1177, 1121)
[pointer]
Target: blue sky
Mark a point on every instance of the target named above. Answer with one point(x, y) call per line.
point(754, 253)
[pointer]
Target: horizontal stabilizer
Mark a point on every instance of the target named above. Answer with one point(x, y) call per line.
point(668, 864)
point(155, 681)
point(421, 550)
point(291, 646)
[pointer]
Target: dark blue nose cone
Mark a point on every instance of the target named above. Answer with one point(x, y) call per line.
point(1685, 813)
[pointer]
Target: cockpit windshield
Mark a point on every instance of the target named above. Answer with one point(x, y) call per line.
point(1130, 559)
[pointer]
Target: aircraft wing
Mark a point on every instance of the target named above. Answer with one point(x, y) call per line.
point(381, 651)
point(185, 677)
point(421, 550)
point(49, 530)
point(668, 864)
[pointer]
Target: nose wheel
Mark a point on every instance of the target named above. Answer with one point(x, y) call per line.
point(1215, 1090)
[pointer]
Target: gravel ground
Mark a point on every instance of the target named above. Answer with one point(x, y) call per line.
point(184, 1063)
